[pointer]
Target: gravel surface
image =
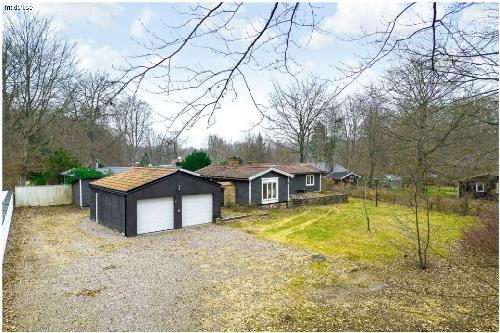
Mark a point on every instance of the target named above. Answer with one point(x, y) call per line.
point(64, 272)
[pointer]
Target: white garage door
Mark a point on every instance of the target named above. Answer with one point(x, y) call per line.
point(196, 209)
point(155, 215)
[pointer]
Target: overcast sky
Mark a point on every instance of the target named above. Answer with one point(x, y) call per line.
point(105, 33)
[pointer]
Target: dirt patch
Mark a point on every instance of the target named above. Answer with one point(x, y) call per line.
point(86, 292)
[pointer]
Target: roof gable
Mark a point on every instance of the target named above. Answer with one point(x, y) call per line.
point(134, 178)
point(252, 171)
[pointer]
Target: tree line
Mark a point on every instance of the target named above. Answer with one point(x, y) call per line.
point(421, 117)
point(54, 112)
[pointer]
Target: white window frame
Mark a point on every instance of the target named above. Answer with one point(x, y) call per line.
point(266, 181)
point(310, 184)
point(477, 187)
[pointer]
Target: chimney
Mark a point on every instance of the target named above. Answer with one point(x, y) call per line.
point(233, 161)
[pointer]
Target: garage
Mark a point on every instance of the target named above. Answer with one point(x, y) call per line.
point(145, 200)
point(196, 209)
point(155, 215)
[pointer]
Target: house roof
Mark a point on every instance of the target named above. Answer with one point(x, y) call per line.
point(392, 177)
point(245, 171)
point(342, 175)
point(339, 168)
point(135, 177)
point(484, 175)
point(292, 168)
point(113, 170)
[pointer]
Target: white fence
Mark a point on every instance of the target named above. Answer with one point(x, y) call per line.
point(45, 195)
point(8, 207)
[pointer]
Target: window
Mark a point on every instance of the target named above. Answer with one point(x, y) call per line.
point(269, 190)
point(480, 187)
point(309, 180)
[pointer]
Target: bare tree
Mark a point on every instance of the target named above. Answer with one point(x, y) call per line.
point(241, 44)
point(92, 106)
point(425, 115)
point(133, 121)
point(216, 148)
point(295, 109)
point(38, 65)
point(374, 112)
point(352, 123)
point(459, 41)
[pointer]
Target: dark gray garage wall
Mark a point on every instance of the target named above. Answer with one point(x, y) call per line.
point(257, 188)
point(111, 209)
point(299, 183)
point(169, 187)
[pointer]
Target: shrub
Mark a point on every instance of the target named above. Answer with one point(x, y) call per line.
point(483, 237)
point(84, 173)
point(37, 179)
point(196, 160)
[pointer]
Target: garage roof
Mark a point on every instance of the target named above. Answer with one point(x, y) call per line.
point(136, 177)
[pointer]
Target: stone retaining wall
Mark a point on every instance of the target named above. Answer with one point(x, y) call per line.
point(324, 200)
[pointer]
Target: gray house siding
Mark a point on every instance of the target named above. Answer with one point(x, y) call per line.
point(86, 195)
point(257, 188)
point(241, 188)
point(75, 187)
point(299, 183)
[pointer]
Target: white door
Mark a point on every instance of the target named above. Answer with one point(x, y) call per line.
point(196, 209)
point(155, 215)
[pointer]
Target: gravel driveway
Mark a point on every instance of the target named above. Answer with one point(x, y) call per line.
point(63, 272)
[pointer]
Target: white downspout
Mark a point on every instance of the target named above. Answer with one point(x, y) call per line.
point(320, 182)
point(288, 189)
point(96, 208)
point(249, 192)
point(81, 193)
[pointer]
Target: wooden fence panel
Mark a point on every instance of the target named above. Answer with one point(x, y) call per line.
point(46, 195)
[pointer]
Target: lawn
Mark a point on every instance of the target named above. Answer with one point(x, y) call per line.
point(341, 230)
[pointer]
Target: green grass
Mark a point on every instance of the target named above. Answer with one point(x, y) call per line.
point(340, 229)
point(442, 191)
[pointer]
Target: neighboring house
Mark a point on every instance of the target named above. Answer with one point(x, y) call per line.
point(80, 187)
point(143, 200)
point(480, 186)
point(104, 170)
point(342, 175)
point(392, 181)
point(262, 184)
point(321, 165)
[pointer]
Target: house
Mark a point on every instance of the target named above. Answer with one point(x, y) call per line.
point(264, 183)
point(342, 175)
point(392, 181)
point(480, 186)
point(143, 200)
point(80, 187)
point(81, 192)
point(105, 170)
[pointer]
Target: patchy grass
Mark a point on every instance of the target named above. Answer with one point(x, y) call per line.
point(442, 191)
point(340, 229)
